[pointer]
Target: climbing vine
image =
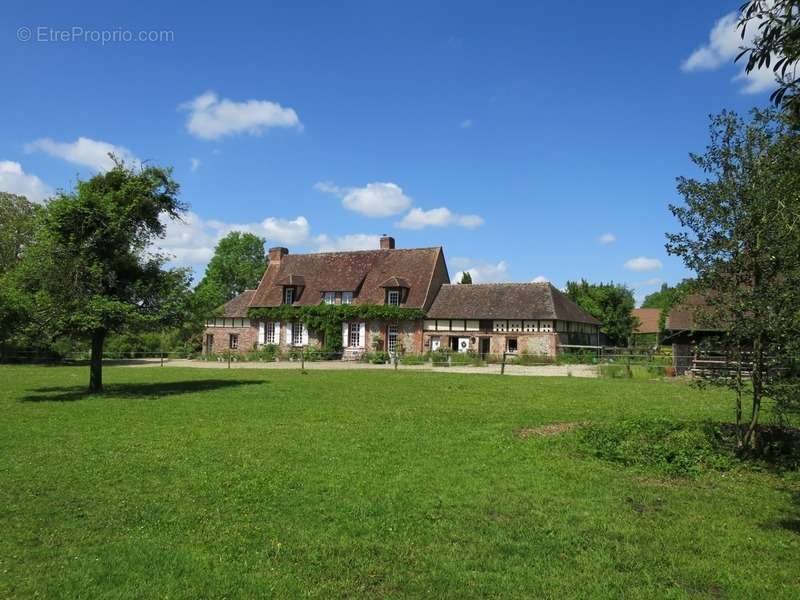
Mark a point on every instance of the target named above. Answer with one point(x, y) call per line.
point(328, 318)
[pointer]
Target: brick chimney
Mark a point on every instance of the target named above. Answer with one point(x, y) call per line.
point(387, 242)
point(277, 253)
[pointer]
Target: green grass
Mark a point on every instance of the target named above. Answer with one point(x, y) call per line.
point(189, 483)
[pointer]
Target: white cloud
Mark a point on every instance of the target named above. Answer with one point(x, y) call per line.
point(283, 231)
point(16, 181)
point(438, 217)
point(353, 241)
point(377, 199)
point(194, 164)
point(724, 44)
point(653, 281)
point(85, 152)
point(481, 271)
point(607, 238)
point(211, 117)
point(465, 124)
point(540, 279)
point(643, 264)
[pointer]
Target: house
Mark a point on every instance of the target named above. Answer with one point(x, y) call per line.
point(646, 332)
point(493, 318)
point(685, 328)
point(485, 318)
point(405, 278)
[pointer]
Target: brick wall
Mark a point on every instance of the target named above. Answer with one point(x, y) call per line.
point(248, 336)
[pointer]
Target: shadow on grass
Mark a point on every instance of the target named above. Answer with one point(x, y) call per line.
point(133, 390)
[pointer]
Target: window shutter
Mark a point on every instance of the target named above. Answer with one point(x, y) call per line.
point(288, 336)
point(362, 334)
point(277, 334)
point(345, 334)
point(261, 326)
point(305, 335)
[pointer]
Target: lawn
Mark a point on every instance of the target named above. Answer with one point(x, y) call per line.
point(189, 483)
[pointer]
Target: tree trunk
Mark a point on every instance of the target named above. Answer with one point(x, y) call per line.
point(758, 390)
point(739, 427)
point(96, 362)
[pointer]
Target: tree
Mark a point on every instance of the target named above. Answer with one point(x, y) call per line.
point(776, 44)
point(237, 265)
point(466, 278)
point(17, 227)
point(610, 303)
point(90, 270)
point(741, 236)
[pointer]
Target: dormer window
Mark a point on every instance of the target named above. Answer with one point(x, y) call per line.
point(393, 298)
point(347, 297)
point(288, 295)
point(329, 298)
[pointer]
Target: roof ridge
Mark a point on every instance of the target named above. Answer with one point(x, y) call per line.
point(362, 251)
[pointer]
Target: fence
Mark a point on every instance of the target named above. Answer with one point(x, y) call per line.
point(592, 361)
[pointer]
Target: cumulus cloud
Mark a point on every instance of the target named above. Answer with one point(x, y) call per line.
point(377, 199)
point(540, 279)
point(438, 217)
point(481, 271)
point(14, 180)
point(607, 238)
point(353, 241)
point(85, 152)
point(211, 117)
point(724, 44)
point(191, 241)
point(643, 264)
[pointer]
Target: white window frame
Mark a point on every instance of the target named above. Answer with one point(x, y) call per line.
point(330, 298)
point(271, 333)
point(392, 337)
point(288, 295)
point(354, 335)
point(233, 341)
point(393, 294)
point(297, 333)
point(347, 297)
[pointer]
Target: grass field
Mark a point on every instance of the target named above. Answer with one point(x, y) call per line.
point(190, 483)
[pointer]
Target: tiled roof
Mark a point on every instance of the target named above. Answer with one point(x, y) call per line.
point(237, 307)
point(683, 316)
point(648, 319)
point(506, 301)
point(362, 272)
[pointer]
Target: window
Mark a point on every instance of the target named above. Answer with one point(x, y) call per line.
point(271, 333)
point(515, 325)
point(530, 326)
point(233, 341)
point(330, 297)
point(546, 326)
point(393, 298)
point(457, 325)
point(391, 339)
point(429, 325)
point(209, 343)
point(297, 333)
point(354, 335)
point(288, 295)
point(499, 326)
point(511, 345)
point(347, 297)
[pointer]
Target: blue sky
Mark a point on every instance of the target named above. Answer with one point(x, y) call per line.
point(527, 143)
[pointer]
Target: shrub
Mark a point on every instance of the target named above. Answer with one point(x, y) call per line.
point(672, 448)
point(412, 359)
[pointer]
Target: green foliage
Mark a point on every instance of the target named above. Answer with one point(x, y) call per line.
point(413, 359)
point(91, 271)
point(376, 358)
point(466, 278)
point(610, 303)
point(328, 318)
point(237, 265)
point(18, 222)
point(740, 233)
point(667, 446)
point(776, 44)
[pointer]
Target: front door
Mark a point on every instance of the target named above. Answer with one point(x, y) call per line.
point(485, 346)
point(391, 339)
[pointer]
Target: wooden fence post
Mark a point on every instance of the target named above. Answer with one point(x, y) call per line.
point(503, 365)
